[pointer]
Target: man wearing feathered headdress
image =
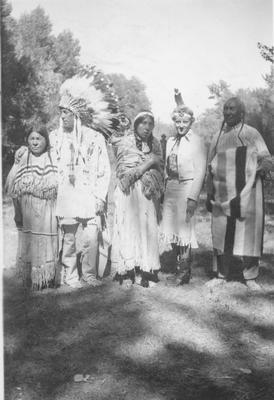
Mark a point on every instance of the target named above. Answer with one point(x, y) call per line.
point(84, 171)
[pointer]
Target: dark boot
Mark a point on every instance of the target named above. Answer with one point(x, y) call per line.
point(185, 278)
point(183, 269)
point(149, 276)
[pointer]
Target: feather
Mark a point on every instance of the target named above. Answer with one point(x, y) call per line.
point(91, 97)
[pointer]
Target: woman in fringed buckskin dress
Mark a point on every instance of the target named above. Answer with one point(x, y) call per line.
point(32, 183)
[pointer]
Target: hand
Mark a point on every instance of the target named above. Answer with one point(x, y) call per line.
point(190, 209)
point(265, 166)
point(156, 160)
point(99, 206)
point(217, 208)
point(125, 182)
point(138, 173)
point(19, 153)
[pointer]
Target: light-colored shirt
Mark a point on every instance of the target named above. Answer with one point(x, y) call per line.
point(191, 159)
point(91, 173)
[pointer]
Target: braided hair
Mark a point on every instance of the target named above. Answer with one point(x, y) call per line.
point(139, 119)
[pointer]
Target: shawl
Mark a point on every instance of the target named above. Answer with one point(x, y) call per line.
point(129, 157)
point(36, 176)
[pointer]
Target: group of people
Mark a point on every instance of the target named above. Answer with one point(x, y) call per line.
point(59, 185)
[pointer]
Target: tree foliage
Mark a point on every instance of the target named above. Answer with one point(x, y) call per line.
point(267, 52)
point(259, 104)
point(15, 75)
point(34, 64)
point(131, 93)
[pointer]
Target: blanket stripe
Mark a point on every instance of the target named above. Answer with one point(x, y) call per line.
point(240, 230)
point(235, 204)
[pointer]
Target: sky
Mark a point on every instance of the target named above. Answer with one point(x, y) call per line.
point(187, 44)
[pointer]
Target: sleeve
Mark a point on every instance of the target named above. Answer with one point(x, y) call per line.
point(103, 171)
point(258, 142)
point(10, 179)
point(212, 148)
point(116, 142)
point(209, 179)
point(265, 160)
point(199, 163)
point(9, 184)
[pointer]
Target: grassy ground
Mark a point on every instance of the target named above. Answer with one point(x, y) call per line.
point(201, 341)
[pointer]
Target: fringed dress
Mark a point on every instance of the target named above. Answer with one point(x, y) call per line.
point(33, 186)
point(135, 231)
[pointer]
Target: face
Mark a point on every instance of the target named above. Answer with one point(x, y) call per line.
point(145, 128)
point(182, 123)
point(232, 113)
point(68, 119)
point(37, 143)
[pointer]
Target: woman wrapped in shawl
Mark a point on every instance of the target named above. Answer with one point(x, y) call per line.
point(32, 183)
point(137, 196)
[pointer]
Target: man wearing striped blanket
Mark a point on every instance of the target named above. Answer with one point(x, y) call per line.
point(238, 161)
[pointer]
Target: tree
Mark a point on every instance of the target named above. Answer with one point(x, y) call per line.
point(259, 104)
point(267, 52)
point(34, 64)
point(33, 37)
point(131, 93)
point(210, 121)
point(15, 75)
point(66, 52)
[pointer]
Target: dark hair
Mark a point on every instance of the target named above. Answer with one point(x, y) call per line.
point(42, 130)
point(140, 118)
point(143, 115)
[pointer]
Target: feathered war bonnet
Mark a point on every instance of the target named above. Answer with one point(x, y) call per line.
point(181, 109)
point(91, 98)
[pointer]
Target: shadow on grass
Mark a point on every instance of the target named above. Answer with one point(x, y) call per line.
point(137, 343)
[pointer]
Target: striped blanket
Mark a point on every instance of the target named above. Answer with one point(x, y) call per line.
point(239, 230)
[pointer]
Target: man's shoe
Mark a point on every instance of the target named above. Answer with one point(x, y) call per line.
point(93, 282)
point(253, 286)
point(75, 285)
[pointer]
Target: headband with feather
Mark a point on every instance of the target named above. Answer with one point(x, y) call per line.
point(181, 109)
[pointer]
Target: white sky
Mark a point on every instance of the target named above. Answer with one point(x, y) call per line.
point(168, 43)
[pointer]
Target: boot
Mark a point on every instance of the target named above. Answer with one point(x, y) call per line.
point(185, 278)
point(183, 270)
